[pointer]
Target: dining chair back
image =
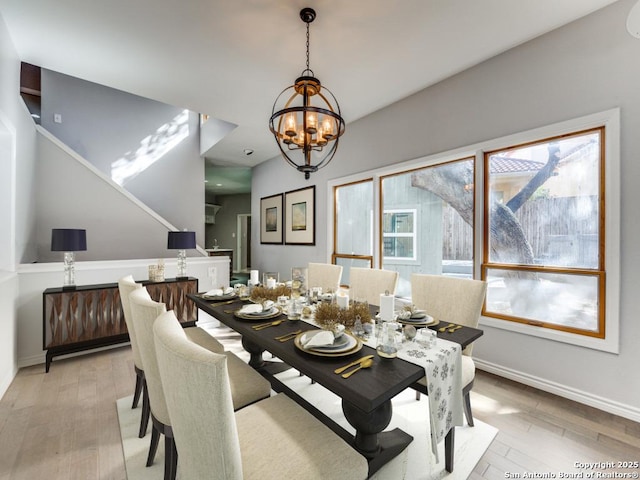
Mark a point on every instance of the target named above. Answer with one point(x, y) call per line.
point(453, 300)
point(325, 275)
point(144, 312)
point(449, 299)
point(195, 377)
point(368, 283)
point(274, 438)
point(126, 285)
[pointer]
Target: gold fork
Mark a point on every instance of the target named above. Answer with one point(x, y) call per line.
point(288, 336)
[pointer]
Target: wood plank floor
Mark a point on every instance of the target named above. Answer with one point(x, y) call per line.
point(63, 424)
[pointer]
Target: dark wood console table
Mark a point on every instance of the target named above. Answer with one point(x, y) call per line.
point(91, 316)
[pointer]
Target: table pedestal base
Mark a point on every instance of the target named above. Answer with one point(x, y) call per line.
point(377, 446)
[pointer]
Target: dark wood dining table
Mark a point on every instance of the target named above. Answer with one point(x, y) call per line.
point(366, 398)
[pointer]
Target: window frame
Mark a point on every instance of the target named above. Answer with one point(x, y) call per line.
point(598, 273)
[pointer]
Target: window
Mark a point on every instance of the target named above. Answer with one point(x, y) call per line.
point(353, 226)
point(426, 226)
point(399, 234)
point(543, 234)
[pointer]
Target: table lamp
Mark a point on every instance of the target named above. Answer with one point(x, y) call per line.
point(181, 241)
point(69, 241)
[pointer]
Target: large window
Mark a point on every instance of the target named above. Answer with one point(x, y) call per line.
point(353, 226)
point(535, 214)
point(543, 233)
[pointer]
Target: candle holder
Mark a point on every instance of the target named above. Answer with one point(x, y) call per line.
point(270, 279)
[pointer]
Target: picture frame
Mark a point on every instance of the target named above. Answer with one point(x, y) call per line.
point(300, 216)
point(271, 219)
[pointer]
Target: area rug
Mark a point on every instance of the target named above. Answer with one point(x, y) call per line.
point(414, 463)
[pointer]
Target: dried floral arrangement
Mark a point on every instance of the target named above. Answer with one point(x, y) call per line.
point(328, 314)
point(260, 293)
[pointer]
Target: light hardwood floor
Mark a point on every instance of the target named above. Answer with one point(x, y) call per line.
point(63, 424)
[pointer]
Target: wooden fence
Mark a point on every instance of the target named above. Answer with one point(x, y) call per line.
point(550, 224)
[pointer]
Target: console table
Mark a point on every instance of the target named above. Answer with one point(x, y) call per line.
point(91, 316)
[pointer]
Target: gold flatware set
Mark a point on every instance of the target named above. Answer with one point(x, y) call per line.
point(452, 327)
point(363, 362)
point(262, 326)
point(215, 304)
point(288, 336)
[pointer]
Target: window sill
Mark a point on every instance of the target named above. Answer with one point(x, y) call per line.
point(609, 344)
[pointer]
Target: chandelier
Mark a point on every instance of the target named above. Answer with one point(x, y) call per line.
point(305, 119)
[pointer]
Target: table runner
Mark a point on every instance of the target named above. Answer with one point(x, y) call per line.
point(443, 366)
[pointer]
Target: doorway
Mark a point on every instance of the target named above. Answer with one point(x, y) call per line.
point(243, 236)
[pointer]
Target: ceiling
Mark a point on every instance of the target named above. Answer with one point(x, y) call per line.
point(231, 59)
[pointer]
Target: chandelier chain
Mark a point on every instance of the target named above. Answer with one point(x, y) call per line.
point(307, 46)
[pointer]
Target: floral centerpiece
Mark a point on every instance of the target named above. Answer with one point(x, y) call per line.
point(261, 293)
point(329, 314)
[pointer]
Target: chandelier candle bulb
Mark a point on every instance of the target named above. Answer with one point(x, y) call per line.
point(387, 306)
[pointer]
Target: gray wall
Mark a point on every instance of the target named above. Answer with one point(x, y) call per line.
point(117, 228)
point(105, 126)
point(585, 67)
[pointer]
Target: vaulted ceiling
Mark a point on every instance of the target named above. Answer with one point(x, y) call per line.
point(230, 59)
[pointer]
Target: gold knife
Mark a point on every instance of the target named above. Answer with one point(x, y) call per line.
point(356, 362)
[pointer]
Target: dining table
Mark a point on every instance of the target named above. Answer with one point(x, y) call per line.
point(366, 397)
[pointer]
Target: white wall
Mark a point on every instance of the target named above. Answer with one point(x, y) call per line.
point(35, 278)
point(585, 67)
point(17, 210)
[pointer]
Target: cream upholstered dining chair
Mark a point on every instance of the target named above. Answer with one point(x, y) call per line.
point(368, 283)
point(454, 300)
point(325, 275)
point(271, 439)
point(126, 285)
point(247, 386)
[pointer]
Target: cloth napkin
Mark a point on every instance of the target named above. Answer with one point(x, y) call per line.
point(251, 308)
point(257, 307)
point(320, 339)
point(218, 292)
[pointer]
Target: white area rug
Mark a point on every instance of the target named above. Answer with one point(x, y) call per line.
point(414, 463)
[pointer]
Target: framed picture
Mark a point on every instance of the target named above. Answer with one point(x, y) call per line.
point(271, 227)
point(300, 216)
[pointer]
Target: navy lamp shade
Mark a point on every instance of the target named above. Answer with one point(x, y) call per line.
point(69, 240)
point(181, 241)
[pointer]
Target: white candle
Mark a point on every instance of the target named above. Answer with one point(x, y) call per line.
point(254, 277)
point(342, 299)
point(387, 306)
point(271, 282)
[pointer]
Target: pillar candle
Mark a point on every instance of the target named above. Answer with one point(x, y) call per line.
point(271, 282)
point(342, 299)
point(387, 306)
point(254, 277)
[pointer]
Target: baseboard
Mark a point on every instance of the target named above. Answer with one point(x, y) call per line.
point(6, 382)
point(41, 358)
point(605, 404)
